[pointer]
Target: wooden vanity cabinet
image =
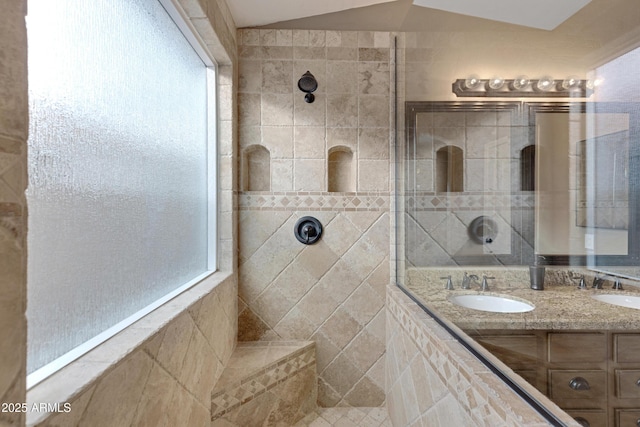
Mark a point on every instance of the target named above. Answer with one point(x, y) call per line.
point(522, 351)
point(593, 376)
point(625, 385)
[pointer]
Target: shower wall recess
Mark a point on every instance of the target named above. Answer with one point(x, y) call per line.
point(341, 170)
point(256, 168)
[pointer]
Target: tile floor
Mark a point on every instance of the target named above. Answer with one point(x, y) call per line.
point(346, 417)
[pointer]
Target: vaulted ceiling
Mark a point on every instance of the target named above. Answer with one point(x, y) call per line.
point(397, 15)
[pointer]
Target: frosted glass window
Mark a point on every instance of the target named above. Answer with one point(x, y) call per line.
point(118, 195)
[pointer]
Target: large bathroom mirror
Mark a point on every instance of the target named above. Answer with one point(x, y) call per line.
point(586, 184)
point(465, 201)
point(521, 183)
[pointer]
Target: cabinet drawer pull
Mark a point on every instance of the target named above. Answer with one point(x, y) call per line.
point(638, 382)
point(579, 383)
point(638, 422)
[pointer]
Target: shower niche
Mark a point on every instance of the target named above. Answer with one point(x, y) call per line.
point(256, 168)
point(341, 170)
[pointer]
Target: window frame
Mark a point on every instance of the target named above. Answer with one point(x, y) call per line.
point(182, 21)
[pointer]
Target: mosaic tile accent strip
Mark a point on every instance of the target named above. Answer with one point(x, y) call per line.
point(468, 201)
point(257, 383)
point(302, 201)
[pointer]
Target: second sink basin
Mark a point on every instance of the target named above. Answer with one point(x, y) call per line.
point(621, 300)
point(492, 303)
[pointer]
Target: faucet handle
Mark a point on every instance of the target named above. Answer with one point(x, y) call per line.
point(449, 285)
point(617, 284)
point(582, 284)
point(485, 284)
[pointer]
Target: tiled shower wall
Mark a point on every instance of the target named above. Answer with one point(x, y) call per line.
point(331, 292)
point(13, 215)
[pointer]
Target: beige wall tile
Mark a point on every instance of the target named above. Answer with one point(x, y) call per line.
point(282, 175)
point(310, 114)
point(310, 52)
point(341, 328)
point(342, 77)
point(317, 38)
point(250, 76)
point(272, 305)
point(277, 52)
point(373, 111)
point(249, 109)
point(373, 143)
point(317, 259)
point(279, 141)
point(317, 306)
point(295, 325)
point(153, 409)
point(309, 175)
point(175, 344)
point(342, 111)
point(13, 135)
point(277, 76)
point(342, 53)
point(276, 110)
point(310, 142)
point(373, 78)
point(300, 37)
point(118, 393)
point(373, 175)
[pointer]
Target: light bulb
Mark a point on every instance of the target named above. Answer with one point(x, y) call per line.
point(545, 84)
point(571, 83)
point(592, 84)
point(496, 83)
point(521, 82)
point(472, 82)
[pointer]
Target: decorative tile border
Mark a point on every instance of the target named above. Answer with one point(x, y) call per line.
point(261, 381)
point(487, 400)
point(432, 201)
point(314, 201)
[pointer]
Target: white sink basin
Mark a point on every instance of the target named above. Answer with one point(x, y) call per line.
point(492, 303)
point(621, 300)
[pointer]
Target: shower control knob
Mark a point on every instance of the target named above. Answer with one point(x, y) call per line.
point(308, 230)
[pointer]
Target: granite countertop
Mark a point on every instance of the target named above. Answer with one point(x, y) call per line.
point(558, 306)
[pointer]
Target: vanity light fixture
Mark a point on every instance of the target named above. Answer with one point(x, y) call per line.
point(522, 87)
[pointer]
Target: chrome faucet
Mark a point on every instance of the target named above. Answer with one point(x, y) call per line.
point(471, 279)
point(465, 281)
point(597, 282)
